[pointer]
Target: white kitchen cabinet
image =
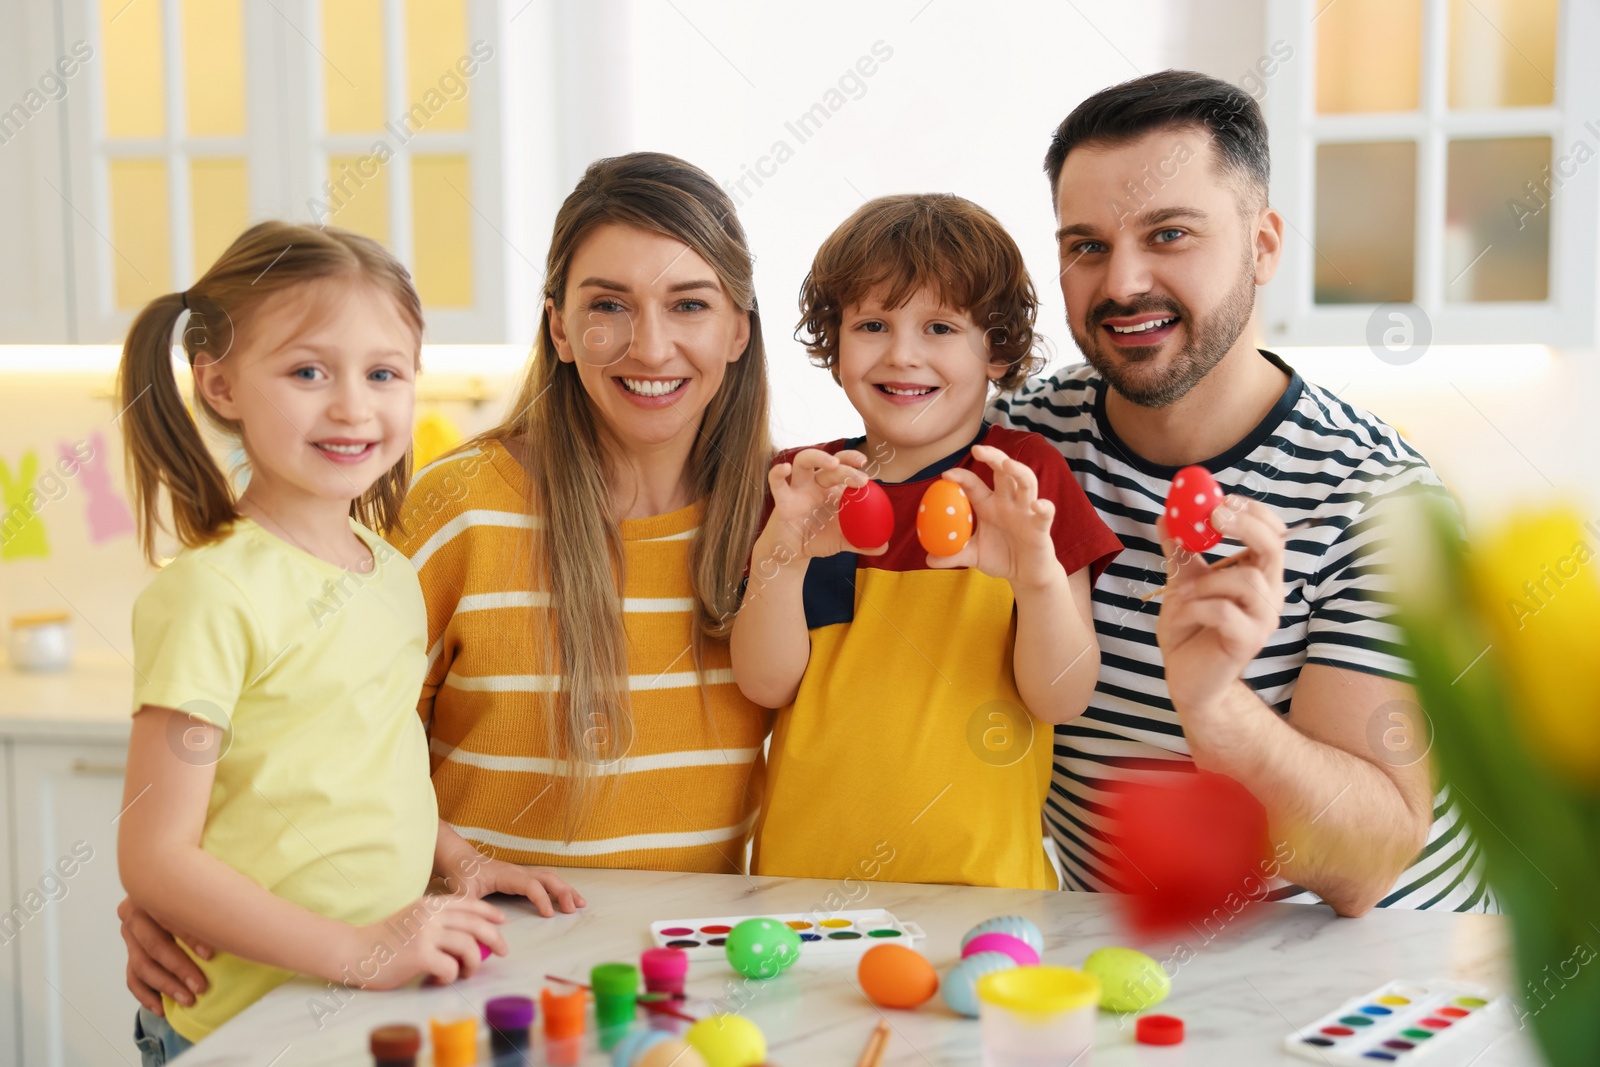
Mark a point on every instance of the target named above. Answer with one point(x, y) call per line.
point(10, 1034)
point(75, 1008)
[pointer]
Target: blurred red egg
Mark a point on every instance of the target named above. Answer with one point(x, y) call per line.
point(1186, 847)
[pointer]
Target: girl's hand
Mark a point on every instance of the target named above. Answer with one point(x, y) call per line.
point(542, 887)
point(441, 936)
point(805, 506)
point(1012, 537)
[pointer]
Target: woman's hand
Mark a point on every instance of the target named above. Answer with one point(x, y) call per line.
point(805, 507)
point(1012, 536)
point(156, 964)
point(544, 889)
point(442, 934)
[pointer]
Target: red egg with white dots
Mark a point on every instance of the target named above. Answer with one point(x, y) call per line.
point(944, 519)
point(1194, 495)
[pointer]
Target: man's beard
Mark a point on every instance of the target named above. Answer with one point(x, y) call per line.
point(1206, 341)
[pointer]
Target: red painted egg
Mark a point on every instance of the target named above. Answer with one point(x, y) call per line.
point(1188, 847)
point(944, 519)
point(1190, 502)
point(865, 517)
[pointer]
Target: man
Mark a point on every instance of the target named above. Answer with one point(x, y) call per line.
point(1283, 672)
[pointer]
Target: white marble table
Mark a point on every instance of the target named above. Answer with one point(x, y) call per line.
point(1239, 993)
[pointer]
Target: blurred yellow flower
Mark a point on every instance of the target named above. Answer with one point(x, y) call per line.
point(434, 435)
point(1537, 582)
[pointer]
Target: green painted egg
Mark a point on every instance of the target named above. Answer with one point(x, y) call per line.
point(1129, 980)
point(762, 948)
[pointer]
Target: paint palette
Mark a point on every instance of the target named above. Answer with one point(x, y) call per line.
point(1401, 1023)
point(835, 933)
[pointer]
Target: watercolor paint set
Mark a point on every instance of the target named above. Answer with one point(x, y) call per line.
point(1402, 1023)
point(837, 933)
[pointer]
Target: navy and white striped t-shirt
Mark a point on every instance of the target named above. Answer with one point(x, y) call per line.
point(1312, 456)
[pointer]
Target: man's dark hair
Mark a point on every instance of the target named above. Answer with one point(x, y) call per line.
point(1170, 98)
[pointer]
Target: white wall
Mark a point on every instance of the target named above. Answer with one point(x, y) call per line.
point(1502, 428)
point(964, 103)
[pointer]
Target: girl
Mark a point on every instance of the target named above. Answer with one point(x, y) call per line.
point(277, 801)
point(581, 562)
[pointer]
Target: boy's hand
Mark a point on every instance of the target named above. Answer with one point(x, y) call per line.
point(805, 506)
point(545, 890)
point(434, 935)
point(1012, 537)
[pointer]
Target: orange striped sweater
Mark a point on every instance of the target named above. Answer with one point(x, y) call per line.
point(686, 794)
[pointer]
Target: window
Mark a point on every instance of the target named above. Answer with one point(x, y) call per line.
point(170, 156)
point(202, 116)
point(1441, 154)
point(394, 135)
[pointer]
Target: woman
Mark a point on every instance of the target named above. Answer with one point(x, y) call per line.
point(582, 560)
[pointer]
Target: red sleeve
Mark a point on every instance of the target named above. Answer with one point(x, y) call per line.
point(1082, 538)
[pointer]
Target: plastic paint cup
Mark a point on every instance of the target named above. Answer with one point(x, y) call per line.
point(564, 1017)
point(455, 1042)
point(616, 994)
point(664, 970)
point(1037, 1017)
point(510, 1021)
point(395, 1046)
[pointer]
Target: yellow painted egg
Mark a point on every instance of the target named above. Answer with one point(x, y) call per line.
point(944, 519)
point(728, 1041)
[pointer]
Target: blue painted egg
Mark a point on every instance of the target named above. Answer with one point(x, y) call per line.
point(1014, 925)
point(631, 1046)
point(960, 986)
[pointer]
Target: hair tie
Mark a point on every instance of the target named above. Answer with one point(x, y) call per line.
point(184, 296)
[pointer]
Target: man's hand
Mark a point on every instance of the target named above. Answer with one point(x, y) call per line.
point(156, 964)
point(1213, 623)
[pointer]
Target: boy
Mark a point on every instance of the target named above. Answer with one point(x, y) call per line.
point(904, 746)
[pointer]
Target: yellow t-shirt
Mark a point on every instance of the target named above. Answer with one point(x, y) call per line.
point(321, 792)
point(907, 754)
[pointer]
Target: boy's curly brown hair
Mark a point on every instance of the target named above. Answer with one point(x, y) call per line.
point(904, 243)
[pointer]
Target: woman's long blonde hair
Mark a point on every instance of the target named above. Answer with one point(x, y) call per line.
point(564, 444)
point(162, 441)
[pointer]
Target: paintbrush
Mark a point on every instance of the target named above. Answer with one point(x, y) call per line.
point(872, 1055)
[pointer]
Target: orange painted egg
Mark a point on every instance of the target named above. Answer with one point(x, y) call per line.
point(944, 519)
point(893, 976)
